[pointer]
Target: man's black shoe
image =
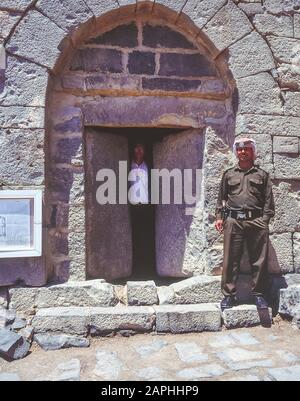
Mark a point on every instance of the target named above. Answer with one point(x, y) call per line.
point(260, 302)
point(228, 302)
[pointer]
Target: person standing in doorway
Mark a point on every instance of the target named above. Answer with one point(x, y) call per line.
point(142, 215)
point(244, 208)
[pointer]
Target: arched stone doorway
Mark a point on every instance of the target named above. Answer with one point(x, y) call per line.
point(146, 73)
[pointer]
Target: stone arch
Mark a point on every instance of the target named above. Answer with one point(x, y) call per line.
point(84, 94)
point(53, 36)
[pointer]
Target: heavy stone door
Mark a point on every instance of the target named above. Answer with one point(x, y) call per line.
point(178, 227)
point(109, 234)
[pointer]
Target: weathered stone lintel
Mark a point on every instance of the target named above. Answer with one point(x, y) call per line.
point(163, 112)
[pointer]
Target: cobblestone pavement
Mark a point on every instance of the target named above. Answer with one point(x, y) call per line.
point(252, 354)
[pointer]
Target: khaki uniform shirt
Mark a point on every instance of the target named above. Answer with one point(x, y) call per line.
point(248, 190)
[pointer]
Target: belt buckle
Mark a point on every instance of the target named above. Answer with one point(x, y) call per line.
point(241, 215)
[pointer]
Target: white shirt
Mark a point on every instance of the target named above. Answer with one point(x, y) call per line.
point(138, 178)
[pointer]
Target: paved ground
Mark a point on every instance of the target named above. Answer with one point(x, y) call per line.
point(241, 354)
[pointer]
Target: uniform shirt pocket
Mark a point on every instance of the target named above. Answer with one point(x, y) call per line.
point(234, 185)
point(256, 185)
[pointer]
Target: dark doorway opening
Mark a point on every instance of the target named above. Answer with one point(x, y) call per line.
point(122, 240)
point(143, 216)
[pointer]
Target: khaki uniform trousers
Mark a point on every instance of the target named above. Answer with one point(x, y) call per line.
point(256, 234)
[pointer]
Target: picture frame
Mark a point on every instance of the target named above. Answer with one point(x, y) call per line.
point(20, 223)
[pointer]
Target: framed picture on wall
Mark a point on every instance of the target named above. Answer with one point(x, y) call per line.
point(20, 223)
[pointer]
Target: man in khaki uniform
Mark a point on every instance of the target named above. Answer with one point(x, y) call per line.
point(244, 207)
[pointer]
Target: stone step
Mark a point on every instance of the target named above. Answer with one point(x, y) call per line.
point(98, 320)
point(81, 321)
point(289, 303)
point(246, 316)
point(194, 290)
point(92, 293)
point(187, 318)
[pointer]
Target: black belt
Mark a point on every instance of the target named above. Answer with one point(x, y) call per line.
point(244, 214)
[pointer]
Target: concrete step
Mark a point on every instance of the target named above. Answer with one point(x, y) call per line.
point(161, 318)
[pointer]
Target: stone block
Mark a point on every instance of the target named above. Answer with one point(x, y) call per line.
point(141, 63)
point(101, 7)
point(297, 26)
point(281, 253)
point(51, 342)
point(185, 65)
point(97, 59)
point(286, 144)
point(22, 117)
point(289, 76)
point(73, 320)
point(251, 9)
point(112, 83)
point(73, 125)
point(9, 377)
point(141, 293)
point(37, 38)
point(133, 318)
point(68, 371)
point(194, 290)
point(3, 298)
point(66, 149)
point(175, 5)
point(285, 50)
point(202, 11)
point(17, 5)
point(268, 24)
point(289, 300)
point(249, 56)
point(287, 166)
point(164, 37)
point(171, 85)
point(70, 15)
point(273, 125)
point(287, 208)
point(28, 271)
point(25, 83)
point(22, 156)
point(259, 94)
point(280, 6)
point(286, 374)
point(87, 293)
point(227, 26)
point(245, 316)
point(292, 104)
point(12, 345)
point(187, 318)
point(8, 21)
point(296, 320)
point(296, 252)
point(123, 36)
point(7, 317)
point(73, 81)
point(170, 111)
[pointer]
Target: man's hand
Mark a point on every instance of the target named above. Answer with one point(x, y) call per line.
point(219, 225)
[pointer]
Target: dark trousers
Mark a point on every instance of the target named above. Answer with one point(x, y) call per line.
point(256, 234)
point(143, 240)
